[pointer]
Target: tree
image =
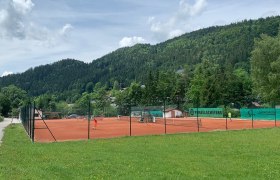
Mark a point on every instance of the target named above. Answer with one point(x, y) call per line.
point(265, 67)
point(15, 95)
point(46, 102)
point(89, 87)
point(5, 105)
point(150, 92)
point(82, 104)
point(122, 102)
point(240, 88)
point(194, 92)
point(205, 86)
point(116, 86)
point(63, 108)
point(166, 86)
point(135, 93)
point(11, 99)
point(100, 98)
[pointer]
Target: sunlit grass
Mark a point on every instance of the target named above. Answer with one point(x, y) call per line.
point(248, 154)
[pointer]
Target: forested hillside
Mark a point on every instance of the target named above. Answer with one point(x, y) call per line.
point(228, 46)
point(60, 76)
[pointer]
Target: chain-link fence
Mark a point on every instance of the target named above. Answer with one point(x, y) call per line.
point(137, 120)
point(27, 117)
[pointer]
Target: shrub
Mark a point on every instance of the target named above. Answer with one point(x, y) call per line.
point(235, 113)
point(1, 118)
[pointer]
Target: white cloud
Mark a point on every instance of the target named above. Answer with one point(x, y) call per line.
point(6, 73)
point(65, 29)
point(13, 19)
point(15, 23)
point(192, 10)
point(269, 13)
point(22, 6)
point(175, 33)
point(178, 23)
point(130, 41)
point(151, 19)
point(3, 15)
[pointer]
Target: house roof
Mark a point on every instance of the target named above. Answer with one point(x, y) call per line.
point(256, 104)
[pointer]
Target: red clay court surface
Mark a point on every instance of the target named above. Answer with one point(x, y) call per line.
point(77, 129)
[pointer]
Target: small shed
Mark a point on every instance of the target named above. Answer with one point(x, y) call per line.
point(173, 113)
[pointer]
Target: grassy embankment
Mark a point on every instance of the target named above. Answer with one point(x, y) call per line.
point(247, 154)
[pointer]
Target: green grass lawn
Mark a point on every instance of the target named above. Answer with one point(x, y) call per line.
point(248, 154)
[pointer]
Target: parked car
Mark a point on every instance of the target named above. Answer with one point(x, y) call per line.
point(73, 116)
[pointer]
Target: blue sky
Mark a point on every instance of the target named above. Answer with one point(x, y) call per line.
point(38, 32)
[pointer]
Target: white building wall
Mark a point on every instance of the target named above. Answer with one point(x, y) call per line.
point(177, 113)
point(168, 114)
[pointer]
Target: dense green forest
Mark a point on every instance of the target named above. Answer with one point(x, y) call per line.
point(207, 68)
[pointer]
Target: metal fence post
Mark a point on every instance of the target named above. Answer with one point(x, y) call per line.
point(130, 118)
point(275, 116)
point(164, 115)
point(29, 119)
point(33, 122)
point(252, 118)
point(226, 123)
point(197, 119)
point(89, 119)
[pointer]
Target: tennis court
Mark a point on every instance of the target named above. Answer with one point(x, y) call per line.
point(79, 129)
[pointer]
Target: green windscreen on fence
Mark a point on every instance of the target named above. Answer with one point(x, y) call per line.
point(156, 113)
point(206, 112)
point(260, 114)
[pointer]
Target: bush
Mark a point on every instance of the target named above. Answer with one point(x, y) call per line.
point(235, 113)
point(1, 118)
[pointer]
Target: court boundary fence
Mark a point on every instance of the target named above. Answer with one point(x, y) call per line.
point(29, 112)
point(27, 118)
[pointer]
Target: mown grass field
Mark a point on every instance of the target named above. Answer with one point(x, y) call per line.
point(248, 154)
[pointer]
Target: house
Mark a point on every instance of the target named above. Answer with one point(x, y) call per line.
point(173, 113)
point(254, 105)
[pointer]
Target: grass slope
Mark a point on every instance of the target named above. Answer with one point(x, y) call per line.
point(248, 154)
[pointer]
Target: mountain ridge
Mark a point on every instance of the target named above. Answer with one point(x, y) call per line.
point(227, 45)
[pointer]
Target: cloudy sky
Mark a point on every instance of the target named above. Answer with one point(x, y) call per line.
point(38, 32)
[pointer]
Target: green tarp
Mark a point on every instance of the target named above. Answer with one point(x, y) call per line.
point(260, 114)
point(156, 113)
point(206, 112)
